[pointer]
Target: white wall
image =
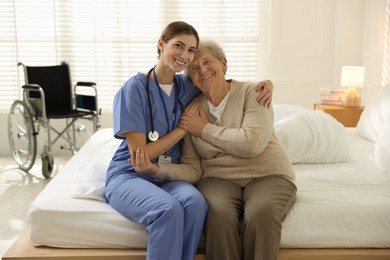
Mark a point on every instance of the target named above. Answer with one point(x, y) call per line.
point(373, 48)
point(298, 53)
point(305, 44)
point(308, 41)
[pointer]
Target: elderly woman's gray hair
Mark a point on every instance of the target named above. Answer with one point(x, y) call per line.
point(213, 46)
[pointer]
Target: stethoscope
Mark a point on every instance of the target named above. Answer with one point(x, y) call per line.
point(153, 135)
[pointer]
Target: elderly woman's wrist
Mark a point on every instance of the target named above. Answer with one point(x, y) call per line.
point(154, 169)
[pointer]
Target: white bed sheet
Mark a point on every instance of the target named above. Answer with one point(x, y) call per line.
point(338, 205)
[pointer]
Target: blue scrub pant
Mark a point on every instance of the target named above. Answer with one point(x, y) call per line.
point(173, 212)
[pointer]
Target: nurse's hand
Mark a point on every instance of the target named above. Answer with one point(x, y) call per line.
point(141, 162)
point(265, 97)
point(194, 107)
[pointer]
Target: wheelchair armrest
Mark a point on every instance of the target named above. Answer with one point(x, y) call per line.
point(31, 86)
point(85, 94)
point(85, 84)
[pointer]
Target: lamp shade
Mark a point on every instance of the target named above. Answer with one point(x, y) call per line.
point(352, 76)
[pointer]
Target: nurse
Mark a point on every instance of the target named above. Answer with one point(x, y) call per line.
point(146, 112)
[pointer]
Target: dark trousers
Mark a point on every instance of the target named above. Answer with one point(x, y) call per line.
point(245, 223)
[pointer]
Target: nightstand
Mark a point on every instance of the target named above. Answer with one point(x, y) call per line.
point(348, 116)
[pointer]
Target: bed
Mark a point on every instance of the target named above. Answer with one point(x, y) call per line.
point(342, 209)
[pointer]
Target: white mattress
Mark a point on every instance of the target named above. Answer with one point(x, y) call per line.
point(338, 205)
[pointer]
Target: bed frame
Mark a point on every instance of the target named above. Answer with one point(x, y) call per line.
point(23, 249)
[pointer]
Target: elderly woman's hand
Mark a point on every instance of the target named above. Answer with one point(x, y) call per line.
point(193, 119)
point(265, 97)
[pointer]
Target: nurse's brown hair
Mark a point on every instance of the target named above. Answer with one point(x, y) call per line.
point(177, 28)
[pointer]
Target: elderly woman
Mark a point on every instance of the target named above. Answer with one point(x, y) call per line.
point(247, 179)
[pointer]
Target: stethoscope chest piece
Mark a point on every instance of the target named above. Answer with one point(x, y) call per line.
point(153, 136)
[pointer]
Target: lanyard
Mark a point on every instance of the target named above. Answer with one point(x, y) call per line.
point(153, 135)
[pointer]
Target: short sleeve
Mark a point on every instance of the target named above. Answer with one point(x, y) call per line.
point(129, 108)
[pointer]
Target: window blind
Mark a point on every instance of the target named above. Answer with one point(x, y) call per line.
point(109, 41)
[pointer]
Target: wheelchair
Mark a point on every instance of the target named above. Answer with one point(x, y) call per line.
point(48, 94)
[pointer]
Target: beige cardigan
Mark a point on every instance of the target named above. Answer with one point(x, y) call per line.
point(243, 147)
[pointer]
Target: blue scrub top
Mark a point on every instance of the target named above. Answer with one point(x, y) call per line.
point(131, 113)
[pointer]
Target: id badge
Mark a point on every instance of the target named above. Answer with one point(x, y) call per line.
point(164, 159)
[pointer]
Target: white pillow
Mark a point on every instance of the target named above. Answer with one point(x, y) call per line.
point(282, 111)
point(374, 115)
point(89, 182)
point(382, 148)
point(311, 136)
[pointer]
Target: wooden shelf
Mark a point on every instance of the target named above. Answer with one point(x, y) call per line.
point(348, 116)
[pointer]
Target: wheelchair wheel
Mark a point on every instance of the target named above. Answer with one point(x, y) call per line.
point(21, 135)
point(47, 165)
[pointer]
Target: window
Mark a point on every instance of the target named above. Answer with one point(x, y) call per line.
point(109, 41)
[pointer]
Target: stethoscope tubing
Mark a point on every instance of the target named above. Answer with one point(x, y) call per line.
point(153, 135)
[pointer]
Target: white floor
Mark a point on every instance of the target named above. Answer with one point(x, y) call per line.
point(17, 190)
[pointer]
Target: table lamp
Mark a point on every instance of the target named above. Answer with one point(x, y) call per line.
point(352, 77)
